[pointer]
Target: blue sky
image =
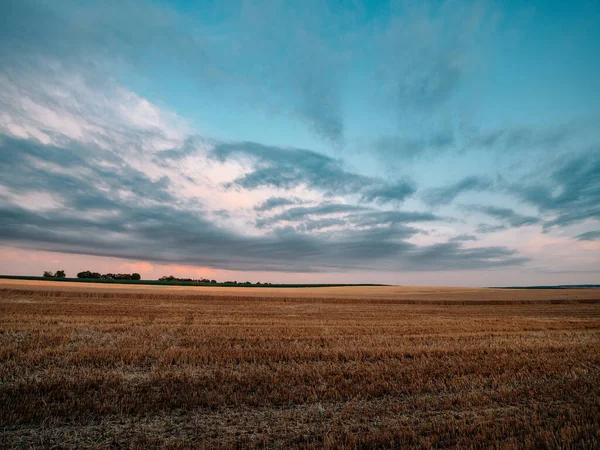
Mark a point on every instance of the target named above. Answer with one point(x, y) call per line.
point(437, 142)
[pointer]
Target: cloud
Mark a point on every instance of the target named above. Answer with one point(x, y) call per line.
point(396, 192)
point(425, 50)
point(522, 140)
point(463, 237)
point(445, 195)
point(528, 138)
point(487, 228)
point(89, 167)
point(89, 36)
point(402, 147)
point(506, 215)
point(570, 194)
point(589, 236)
point(282, 168)
point(453, 253)
point(347, 217)
point(123, 213)
point(274, 202)
point(299, 213)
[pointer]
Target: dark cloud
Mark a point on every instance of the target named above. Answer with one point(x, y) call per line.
point(274, 202)
point(85, 179)
point(454, 253)
point(396, 192)
point(309, 225)
point(351, 215)
point(506, 215)
point(374, 218)
point(95, 218)
point(571, 192)
point(487, 228)
point(288, 168)
point(300, 213)
point(589, 236)
point(463, 237)
point(445, 195)
point(188, 147)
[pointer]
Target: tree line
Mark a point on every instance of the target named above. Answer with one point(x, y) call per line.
point(89, 275)
point(109, 276)
point(187, 280)
point(57, 274)
point(95, 275)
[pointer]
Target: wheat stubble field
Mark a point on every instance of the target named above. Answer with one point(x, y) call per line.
point(95, 366)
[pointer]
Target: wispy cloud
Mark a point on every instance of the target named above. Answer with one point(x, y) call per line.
point(274, 202)
point(445, 195)
point(125, 214)
point(288, 168)
point(427, 48)
point(506, 215)
point(571, 192)
point(589, 236)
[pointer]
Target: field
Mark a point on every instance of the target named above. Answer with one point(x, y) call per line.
point(121, 366)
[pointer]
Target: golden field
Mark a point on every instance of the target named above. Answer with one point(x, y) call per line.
point(121, 366)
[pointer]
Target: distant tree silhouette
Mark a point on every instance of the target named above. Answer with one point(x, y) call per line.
point(89, 275)
point(48, 274)
point(86, 274)
point(60, 274)
point(187, 280)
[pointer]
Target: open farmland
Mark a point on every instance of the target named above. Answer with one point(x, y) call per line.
point(178, 367)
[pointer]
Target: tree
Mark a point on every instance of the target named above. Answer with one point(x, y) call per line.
point(48, 274)
point(136, 276)
point(87, 274)
point(60, 274)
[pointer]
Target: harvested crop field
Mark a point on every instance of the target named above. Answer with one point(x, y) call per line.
point(178, 367)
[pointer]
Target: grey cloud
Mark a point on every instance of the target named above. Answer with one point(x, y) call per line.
point(274, 202)
point(299, 213)
point(589, 236)
point(463, 237)
point(373, 218)
point(188, 147)
point(445, 195)
point(287, 168)
point(314, 225)
point(88, 36)
point(571, 192)
point(516, 140)
point(487, 228)
point(352, 216)
point(85, 178)
point(150, 225)
point(525, 138)
point(397, 192)
point(454, 253)
point(507, 215)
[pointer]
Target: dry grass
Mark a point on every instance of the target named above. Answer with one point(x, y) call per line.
point(107, 367)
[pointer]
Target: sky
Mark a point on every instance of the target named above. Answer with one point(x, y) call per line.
point(424, 143)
